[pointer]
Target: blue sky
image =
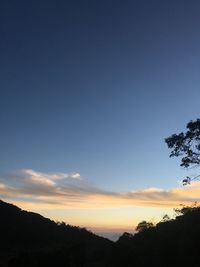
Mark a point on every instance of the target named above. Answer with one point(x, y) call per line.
point(94, 87)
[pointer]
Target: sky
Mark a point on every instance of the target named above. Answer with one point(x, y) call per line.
point(89, 90)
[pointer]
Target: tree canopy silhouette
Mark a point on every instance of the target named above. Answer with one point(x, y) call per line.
point(186, 144)
point(144, 225)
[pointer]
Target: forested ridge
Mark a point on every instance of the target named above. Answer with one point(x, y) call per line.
point(29, 239)
point(174, 242)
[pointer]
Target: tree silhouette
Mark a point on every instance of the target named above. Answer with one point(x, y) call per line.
point(166, 218)
point(144, 225)
point(186, 145)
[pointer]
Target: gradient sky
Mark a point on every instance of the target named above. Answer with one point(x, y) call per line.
point(89, 90)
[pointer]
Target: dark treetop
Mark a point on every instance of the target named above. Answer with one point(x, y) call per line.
point(186, 144)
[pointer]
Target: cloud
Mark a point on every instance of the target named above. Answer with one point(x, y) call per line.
point(41, 176)
point(2, 186)
point(70, 190)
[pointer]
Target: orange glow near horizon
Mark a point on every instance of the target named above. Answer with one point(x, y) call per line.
point(101, 219)
point(80, 203)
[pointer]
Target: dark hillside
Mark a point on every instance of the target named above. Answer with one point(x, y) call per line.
point(29, 239)
point(172, 243)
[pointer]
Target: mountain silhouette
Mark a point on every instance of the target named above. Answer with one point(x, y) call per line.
point(175, 242)
point(29, 239)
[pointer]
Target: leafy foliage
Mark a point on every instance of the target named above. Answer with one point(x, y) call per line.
point(186, 145)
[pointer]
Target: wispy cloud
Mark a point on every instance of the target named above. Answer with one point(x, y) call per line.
point(70, 190)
